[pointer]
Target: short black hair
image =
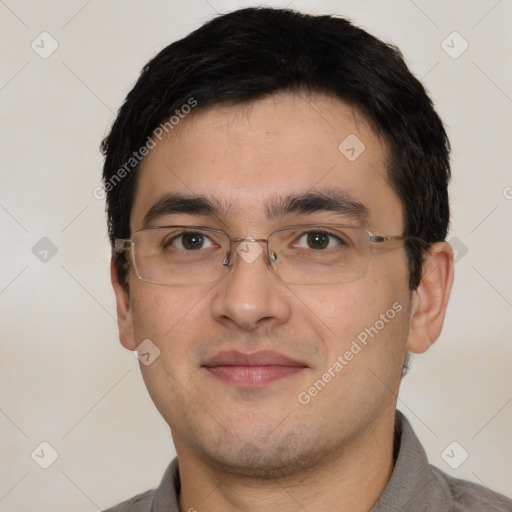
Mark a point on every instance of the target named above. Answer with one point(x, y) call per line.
point(252, 53)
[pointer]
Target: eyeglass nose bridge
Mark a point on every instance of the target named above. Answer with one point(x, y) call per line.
point(230, 258)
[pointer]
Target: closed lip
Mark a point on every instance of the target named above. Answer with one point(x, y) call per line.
point(260, 358)
point(252, 369)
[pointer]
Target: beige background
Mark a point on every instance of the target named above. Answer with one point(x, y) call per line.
point(64, 377)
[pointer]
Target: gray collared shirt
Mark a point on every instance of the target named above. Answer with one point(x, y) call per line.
point(414, 486)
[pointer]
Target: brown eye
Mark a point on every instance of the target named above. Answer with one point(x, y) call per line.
point(190, 241)
point(318, 240)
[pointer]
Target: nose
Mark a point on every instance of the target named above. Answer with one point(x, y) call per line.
point(251, 294)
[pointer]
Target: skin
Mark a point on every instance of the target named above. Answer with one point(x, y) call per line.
point(252, 449)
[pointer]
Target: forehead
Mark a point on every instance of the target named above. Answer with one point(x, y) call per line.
point(246, 157)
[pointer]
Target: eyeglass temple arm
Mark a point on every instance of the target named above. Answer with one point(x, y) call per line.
point(121, 244)
point(386, 238)
point(391, 238)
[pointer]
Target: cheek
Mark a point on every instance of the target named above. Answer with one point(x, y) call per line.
point(152, 312)
point(365, 347)
point(159, 312)
point(174, 319)
point(343, 311)
point(168, 317)
point(383, 324)
point(366, 319)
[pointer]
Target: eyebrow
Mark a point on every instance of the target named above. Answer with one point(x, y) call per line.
point(185, 204)
point(330, 200)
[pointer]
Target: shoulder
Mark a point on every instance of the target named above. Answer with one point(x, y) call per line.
point(140, 503)
point(163, 498)
point(471, 497)
point(417, 486)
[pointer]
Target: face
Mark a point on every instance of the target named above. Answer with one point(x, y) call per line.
point(257, 375)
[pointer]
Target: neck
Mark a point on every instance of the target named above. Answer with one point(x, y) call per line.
point(352, 479)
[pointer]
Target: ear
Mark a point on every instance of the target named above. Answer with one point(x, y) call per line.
point(124, 310)
point(430, 299)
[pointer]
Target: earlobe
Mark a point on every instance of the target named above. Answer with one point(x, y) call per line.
point(430, 299)
point(124, 310)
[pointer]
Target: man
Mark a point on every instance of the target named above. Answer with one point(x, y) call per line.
point(277, 203)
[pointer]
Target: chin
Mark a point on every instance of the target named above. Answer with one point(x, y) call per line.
point(265, 459)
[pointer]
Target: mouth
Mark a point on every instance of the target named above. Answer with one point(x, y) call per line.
point(252, 370)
